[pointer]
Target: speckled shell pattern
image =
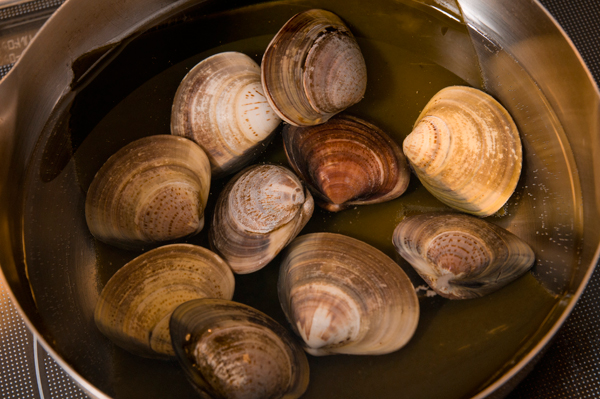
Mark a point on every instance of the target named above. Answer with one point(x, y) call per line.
point(461, 256)
point(151, 191)
point(136, 303)
point(220, 104)
point(343, 296)
point(466, 150)
point(231, 350)
point(313, 69)
point(347, 161)
point(257, 214)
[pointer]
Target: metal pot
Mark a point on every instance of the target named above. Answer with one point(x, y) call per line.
point(52, 265)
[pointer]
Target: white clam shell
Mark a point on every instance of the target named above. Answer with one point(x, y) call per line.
point(466, 150)
point(220, 104)
point(230, 350)
point(257, 214)
point(461, 256)
point(342, 295)
point(151, 191)
point(313, 69)
point(136, 303)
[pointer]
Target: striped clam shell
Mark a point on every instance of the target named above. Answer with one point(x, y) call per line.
point(136, 303)
point(220, 104)
point(461, 256)
point(466, 150)
point(347, 161)
point(313, 69)
point(257, 214)
point(149, 192)
point(343, 296)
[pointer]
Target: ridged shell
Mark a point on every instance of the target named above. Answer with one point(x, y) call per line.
point(465, 149)
point(347, 161)
point(342, 295)
point(230, 350)
point(461, 256)
point(137, 302)
point(313, 69)
point(257, 214)
point(220, 104)
point(151, 191)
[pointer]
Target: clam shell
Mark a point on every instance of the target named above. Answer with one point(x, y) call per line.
point(137, 302)
point(151, 191)
point(342, 295)
point(220, 104)
point(230, 350)
point(465, 149)
point(313, 69)
point(257, 214)
point(461, 256)
point(347, 161)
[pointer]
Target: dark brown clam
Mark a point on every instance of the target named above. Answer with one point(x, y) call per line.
point(232, 351)
point(347, 161)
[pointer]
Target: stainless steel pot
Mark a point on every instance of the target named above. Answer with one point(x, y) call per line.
point(50, 262)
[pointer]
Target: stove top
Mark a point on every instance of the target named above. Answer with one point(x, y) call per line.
point(569, 369)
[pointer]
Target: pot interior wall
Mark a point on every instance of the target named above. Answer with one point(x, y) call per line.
point(412, 50)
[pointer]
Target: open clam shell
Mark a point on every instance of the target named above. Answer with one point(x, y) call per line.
point(220, 104)
point(461, 256)
point(347, 161)
point(257, 214)
point(313, 69)
point(137, 302)
point(151, 191)
point(230, 350)
point(342, 295)
point(465, 149)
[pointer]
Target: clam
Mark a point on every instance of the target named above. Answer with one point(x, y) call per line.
point(347, 161)
point(342, 295)
point(465, 149)
point(313, 69)
point(220, 104)
point(151, 191)
point(230, 350)
point(461, 256)
point(257, 214)
point(137, 302)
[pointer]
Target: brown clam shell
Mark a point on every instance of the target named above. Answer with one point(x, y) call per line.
point(136, 303)
point(231, 350)
point(347, 161)
point(151, 191)
point(313, 69)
